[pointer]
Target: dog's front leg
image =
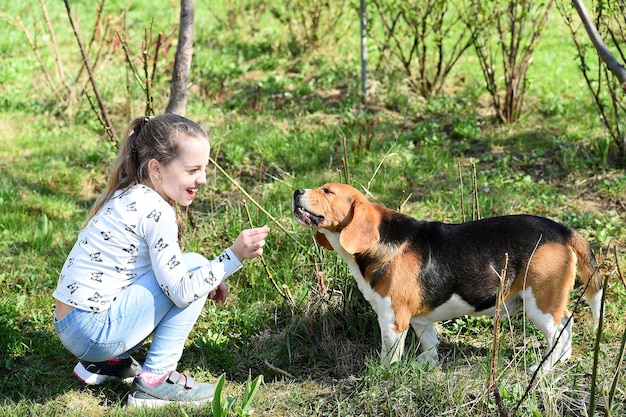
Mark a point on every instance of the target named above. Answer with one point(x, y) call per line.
point(427, 335)
point(392, 345)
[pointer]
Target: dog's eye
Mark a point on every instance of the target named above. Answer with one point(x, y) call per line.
point(327, 191)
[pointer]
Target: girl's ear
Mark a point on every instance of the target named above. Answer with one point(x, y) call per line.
point(154, 169)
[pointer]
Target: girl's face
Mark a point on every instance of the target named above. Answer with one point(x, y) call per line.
point(179, 180)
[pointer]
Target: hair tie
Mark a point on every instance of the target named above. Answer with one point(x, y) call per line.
point(144, 122)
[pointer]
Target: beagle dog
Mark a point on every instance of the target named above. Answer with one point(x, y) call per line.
point(416, 272)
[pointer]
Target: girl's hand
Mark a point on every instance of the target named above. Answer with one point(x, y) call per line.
point(219, 294)
point(249, 244)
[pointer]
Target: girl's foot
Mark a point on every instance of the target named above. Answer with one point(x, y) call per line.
point(94, 373)
point(175, 387)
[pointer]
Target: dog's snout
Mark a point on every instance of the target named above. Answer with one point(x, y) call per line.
point(297, 196)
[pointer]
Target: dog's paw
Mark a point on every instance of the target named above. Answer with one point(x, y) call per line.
point(430, 358)
point(545, 368)
point(532, 368)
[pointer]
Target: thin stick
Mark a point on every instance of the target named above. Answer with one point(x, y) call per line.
point(131, 64)
point(156, 57)
point(380, 164)
point(461, 191)
point(619, 270)
point(620, 356)
point(108, 126)
point(267, 270)
point(249, 197)
point(55, 46)
point(491, 380)
point(344, 160)
point(280, 371)
point(475, 193)
point(596, 352)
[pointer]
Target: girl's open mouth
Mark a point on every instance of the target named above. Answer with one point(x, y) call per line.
point(191, 192)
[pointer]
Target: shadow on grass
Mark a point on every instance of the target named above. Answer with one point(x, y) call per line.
point(36, 366)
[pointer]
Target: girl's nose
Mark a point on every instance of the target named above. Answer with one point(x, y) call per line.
point(201, 178)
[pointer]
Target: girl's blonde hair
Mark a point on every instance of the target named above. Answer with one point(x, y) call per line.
point(156, 137)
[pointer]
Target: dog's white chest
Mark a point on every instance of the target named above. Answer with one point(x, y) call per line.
point(382, 306)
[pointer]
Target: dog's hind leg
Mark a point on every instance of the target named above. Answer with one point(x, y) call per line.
point(558, 335)
point(558, 340)
point(549, 281)
point(427, 335)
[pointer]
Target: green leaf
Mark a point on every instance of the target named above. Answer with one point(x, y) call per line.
point(249, 393)
point(216, 404)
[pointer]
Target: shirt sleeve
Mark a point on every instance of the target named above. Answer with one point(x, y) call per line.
point(182, 286)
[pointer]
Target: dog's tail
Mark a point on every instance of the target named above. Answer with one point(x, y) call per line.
point(589, 273)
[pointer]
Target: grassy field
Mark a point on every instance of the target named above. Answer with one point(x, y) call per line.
point(279, 121)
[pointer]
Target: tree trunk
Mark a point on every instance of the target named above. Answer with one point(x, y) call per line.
point(182, 61)
point(363, 53)
point(603, 52)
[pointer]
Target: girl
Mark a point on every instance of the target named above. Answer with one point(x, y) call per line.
point(126, 278)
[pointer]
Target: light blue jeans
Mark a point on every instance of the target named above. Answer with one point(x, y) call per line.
point(140, 310)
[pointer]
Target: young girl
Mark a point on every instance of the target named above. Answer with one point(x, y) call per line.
point(126, 278)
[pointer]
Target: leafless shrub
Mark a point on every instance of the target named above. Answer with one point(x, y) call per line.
point(508, 31)
point(604, 86)
point(424, 39)
point(240, 15)
point(310, 23)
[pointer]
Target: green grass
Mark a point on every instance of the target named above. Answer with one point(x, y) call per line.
point(277, 123)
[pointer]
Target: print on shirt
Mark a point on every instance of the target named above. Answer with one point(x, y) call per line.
point(133, 251)
point(96, 298)
point(211, 280)
point(173, 263)
point(156, 215)
point(96, 257)
point(97, 276)
point(160, 245)
point(132, 231)
point(223, 256)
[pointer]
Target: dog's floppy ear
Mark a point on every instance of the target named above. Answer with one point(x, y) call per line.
point(362, 231)
point(321, 239)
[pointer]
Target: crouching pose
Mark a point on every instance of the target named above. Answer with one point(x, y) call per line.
point(126, 278)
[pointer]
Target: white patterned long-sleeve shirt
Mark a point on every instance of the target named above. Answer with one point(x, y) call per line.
point(134, 232)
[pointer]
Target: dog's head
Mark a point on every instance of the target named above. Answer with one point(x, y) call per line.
point(341, 210)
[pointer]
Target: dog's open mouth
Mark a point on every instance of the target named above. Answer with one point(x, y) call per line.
point(306, 217)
